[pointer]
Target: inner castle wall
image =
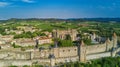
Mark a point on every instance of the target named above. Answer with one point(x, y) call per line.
point(95, 48)
point(62, 34)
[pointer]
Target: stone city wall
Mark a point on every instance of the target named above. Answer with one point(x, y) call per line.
point(14, 55)
point(95, 48)
point(67, 59)
point(5, 63)
point(98, 55)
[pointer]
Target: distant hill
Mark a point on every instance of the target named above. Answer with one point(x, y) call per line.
point(102, 19)
point(67, 20)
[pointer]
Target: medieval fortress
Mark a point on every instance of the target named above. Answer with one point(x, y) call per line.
point(63, 33)
point(56, 55)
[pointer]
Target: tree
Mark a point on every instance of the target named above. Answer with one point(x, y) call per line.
point(26, 66)
point(13, 45)
point(87, 41)
point(68, 37)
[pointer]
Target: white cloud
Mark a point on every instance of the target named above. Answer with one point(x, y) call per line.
point(28, 1)
point(3, 4)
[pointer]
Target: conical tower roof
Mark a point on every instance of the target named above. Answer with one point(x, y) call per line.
point(108, 40)
point(114, 35)
point(93, 33)
point(82, 43)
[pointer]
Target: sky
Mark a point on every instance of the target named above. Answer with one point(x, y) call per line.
point(59, 9)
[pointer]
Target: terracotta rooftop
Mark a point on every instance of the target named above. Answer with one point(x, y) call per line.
point(24, 40)
point(7, 36)
point(108, 40)
point(82, 43)
point(44, 37)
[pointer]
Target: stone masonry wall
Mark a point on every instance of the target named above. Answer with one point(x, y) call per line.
point(14, 55)
point(98, 55)
point(95, 48)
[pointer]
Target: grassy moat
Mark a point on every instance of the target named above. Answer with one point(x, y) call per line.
point(103, 62)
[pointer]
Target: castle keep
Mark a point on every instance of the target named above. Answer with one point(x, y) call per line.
point(62, 34)
point(56, 55)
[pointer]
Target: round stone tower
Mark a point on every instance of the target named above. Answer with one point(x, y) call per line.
point(114, 40)
point(82, 51)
